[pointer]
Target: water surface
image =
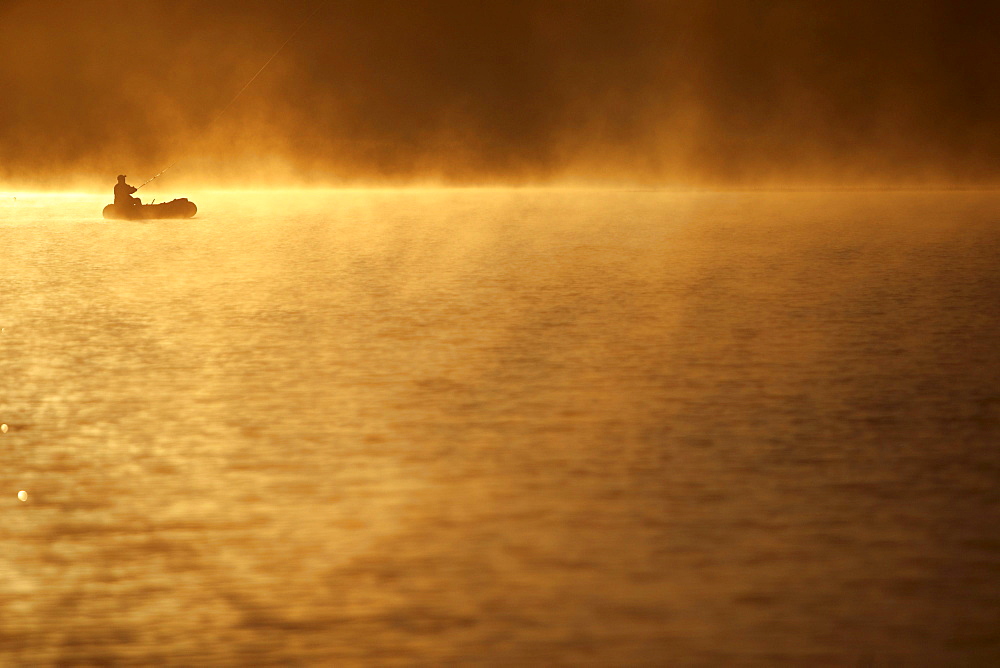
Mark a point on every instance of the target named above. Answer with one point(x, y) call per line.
point(495, 427)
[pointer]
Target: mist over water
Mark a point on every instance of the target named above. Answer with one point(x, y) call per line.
point(502, 426)
point(698, 93)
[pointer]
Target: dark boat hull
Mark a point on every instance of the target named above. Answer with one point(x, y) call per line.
point(178, 208)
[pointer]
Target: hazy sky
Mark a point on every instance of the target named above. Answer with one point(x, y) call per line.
point(518, 91)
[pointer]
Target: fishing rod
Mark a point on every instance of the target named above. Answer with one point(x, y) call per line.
point(161, 171)
point(245, 86)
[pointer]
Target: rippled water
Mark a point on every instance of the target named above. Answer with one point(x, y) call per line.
point(495, 427)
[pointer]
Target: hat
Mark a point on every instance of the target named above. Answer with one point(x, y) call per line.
point(121, 176)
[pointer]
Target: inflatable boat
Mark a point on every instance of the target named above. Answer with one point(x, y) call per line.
point(178, 208)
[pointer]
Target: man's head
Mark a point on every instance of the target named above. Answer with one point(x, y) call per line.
point(121, 178)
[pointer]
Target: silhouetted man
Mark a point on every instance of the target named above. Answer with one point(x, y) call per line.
point(123, 193)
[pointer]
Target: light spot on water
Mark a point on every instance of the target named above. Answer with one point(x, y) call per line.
point(3, 428)
point(22, 495)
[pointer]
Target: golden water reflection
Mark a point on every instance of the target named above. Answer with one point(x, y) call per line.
point(503, 426)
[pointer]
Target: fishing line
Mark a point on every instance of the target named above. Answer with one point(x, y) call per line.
point(245, 86)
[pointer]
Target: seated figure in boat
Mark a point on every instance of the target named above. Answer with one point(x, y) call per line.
point(123, 193)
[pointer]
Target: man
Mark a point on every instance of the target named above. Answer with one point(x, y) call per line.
point(123, 193)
